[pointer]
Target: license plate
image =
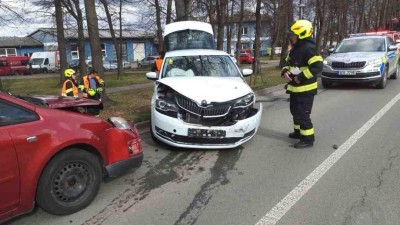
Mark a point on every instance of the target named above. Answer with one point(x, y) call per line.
point(205, 133)
point(347, 72)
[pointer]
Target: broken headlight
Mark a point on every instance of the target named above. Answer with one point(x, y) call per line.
point(166, 107)
point(245, 101)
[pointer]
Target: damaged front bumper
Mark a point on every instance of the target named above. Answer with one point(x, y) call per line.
point(178, 133)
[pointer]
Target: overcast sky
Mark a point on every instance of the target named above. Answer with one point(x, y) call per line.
point(36, 17)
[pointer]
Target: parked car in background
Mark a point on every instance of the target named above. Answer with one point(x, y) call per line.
point(148, 61)
point(362, 59)
point(43, 62)
point(125, 64)
point(107, 65)
point(58, 164)
point(13, 65)
point(246, 58)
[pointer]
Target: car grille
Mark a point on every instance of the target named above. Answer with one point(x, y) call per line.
point(342, 65)
point(208, 111)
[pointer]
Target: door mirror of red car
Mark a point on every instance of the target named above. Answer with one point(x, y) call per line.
point(247, 72)
point(151, 75)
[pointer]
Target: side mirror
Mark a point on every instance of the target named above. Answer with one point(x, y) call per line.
point(392, 48)
point(331, 50)
point(151, 75)
point(247, 72)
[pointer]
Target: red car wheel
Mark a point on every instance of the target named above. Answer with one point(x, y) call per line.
point(70, 182)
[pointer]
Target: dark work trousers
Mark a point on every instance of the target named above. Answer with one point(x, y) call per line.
point(300, 107)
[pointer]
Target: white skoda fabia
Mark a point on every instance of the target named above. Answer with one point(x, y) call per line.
point(201, 100)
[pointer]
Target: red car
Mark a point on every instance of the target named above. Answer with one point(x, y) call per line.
point(56, 156)
point(245, 58)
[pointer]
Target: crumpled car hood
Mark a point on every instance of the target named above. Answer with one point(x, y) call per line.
point(60, 102)
point(211, 89)
point(354, 56)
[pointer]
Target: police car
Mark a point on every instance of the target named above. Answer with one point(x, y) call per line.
point(362, 59)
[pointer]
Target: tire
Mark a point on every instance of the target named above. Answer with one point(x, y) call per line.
point(69, 182)
point(45, 70)
point(383, 81)
point(396, 74)
point(326, 83)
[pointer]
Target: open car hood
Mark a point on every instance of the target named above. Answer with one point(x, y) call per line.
point(59, 102)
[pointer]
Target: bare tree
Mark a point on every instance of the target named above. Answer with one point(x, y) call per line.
point(94, 38)
point(183, 9)
point(73, 8)
point(117, 45)
point(239, 31)
point(221, 12)
point(159, 27)
point(256, 47)
point(61, 39)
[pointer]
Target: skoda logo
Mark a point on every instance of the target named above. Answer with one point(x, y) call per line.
point(203, 102)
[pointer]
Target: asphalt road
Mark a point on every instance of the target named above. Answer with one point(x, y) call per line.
point(266, 181)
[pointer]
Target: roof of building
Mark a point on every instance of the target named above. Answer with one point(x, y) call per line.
point(103, 33)
point(19, 42)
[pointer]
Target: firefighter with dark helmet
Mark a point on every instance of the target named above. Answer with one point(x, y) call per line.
point(70, 86)
point(302, 66)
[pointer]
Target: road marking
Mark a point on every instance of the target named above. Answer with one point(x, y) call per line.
point(279, 210)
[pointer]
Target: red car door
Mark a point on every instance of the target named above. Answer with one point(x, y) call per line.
point(12, 118)
point(9, 173)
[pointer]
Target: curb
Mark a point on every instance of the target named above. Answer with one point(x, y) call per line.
point(261, 96)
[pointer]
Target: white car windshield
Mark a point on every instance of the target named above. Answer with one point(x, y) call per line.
point(201, 65)
point(362, 45)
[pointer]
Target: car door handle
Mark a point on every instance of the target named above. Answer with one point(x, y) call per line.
point(32, 139)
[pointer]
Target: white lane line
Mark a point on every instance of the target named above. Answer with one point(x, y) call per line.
point(276, 213)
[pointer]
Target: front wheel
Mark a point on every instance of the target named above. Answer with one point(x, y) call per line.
point(396, 74)
point(326, 83)
point(383, 81)
point(70, 182)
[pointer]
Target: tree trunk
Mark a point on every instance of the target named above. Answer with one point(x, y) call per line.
point(81, 39)
point(94, 38)
point(113, 37)
point(221, 10)
point(256, 47)
point(183, 9)
point(61, 39)
point(76, 13)
point(95, 44)
point(169, 12)
point(159, 27)
point(239, 31)
point(229, 28)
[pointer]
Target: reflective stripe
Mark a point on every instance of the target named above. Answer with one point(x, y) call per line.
point(307, 73)
point(68, 90)
point(315, 59)
point(307, 132)
point(303, 88)
point(296, 127)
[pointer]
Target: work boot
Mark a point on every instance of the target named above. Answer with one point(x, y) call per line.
point(303, 144)
point(295, 135)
